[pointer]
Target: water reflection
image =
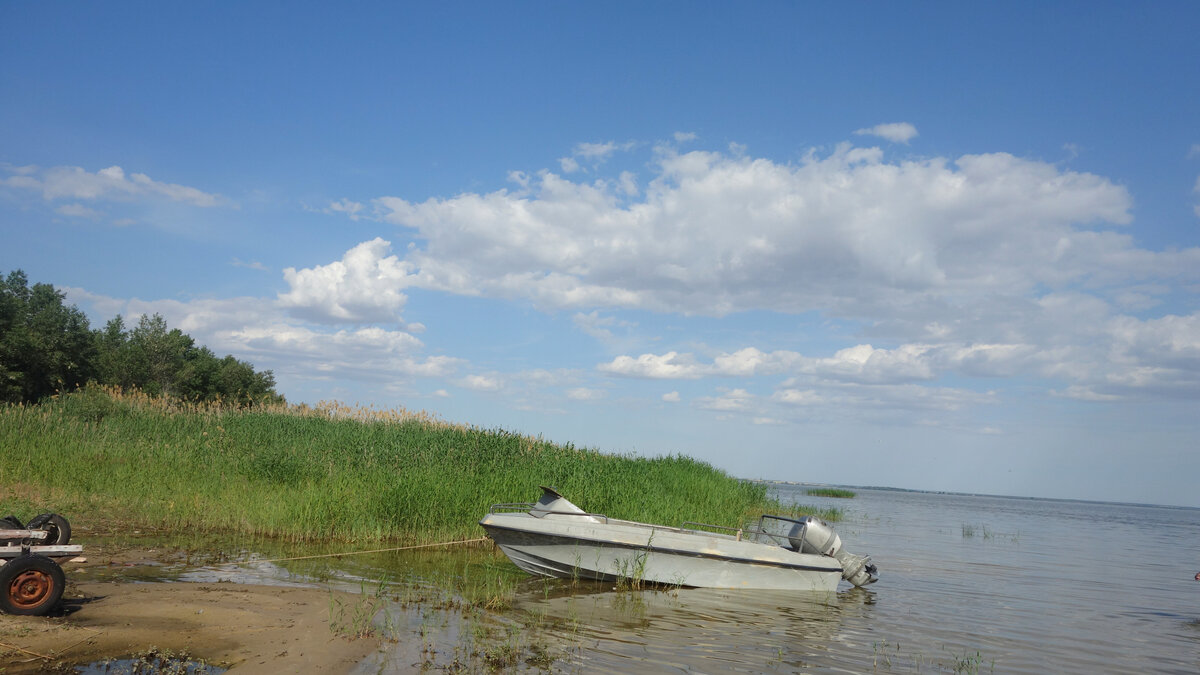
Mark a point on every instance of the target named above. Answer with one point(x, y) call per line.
point(710, 630)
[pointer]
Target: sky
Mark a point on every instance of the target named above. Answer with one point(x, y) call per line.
point(937, 246)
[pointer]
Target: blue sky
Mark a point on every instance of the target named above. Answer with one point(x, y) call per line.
point(924, 245)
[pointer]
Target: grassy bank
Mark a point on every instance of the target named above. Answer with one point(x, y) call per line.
point(326, 472)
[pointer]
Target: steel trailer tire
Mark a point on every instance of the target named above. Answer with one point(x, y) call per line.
point(31, 585)
point(56, 525)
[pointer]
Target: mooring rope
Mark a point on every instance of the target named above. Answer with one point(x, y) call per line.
point(339, 555)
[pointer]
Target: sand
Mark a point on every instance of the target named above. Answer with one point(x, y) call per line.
point(247, 628)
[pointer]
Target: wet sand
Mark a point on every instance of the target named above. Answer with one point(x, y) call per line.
point(250, 629)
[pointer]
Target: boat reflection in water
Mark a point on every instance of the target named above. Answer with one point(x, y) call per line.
point(599, 629)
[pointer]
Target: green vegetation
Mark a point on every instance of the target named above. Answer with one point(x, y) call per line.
point(330, 472)
point(47, 347)
point(830, 492)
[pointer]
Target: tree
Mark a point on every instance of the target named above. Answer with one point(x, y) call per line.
point(45, 346)
point(159, 355)
point(167, 362)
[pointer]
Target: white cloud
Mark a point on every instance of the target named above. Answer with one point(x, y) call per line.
point(848, 233)
point(486, 383)
point(255, 265)
point(593, 154)
point(260, 330)
point(585, 394)
point(1083, 393)
point(73, 182)
point(731, 400)
point(363, 287)
point(350, 208)
point(671, 365)
point(671, 397)
point(77, 211)
point(685, 136)
point(897, 132)
point(595, 325)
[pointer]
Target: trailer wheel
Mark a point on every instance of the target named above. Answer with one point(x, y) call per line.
point(10, 523)
point(31, 585)
point(56, 525)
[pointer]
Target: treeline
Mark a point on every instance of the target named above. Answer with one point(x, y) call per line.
point(47, 347)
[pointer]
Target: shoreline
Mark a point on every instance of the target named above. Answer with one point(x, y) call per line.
point(244, 627)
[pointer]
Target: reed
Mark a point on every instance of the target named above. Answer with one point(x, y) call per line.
point(839, 493)
point(329, 471)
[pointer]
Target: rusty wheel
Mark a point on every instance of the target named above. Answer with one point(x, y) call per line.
point(30, 584)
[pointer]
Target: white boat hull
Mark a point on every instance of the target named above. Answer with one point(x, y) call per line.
point(573, 547)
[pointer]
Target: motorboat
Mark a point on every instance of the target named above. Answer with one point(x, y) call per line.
point(555, 538)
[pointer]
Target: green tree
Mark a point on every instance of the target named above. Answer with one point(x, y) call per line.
point(114, 355)
point(159, 355)
point(45, 346)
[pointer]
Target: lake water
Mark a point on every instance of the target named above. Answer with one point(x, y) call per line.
point(967, 584)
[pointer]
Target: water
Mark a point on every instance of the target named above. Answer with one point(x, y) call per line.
point(967, 584)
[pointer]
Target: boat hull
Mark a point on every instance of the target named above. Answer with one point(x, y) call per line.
point(566, 547)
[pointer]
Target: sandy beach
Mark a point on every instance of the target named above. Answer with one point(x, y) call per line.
point(247, 628)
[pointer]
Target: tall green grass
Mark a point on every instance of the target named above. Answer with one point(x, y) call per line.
point(323, 473)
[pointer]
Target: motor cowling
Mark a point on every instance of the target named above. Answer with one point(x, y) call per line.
point(813, 535)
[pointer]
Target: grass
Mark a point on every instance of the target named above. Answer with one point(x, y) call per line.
point(969, 531)
point(326, 472)
point(839, 493)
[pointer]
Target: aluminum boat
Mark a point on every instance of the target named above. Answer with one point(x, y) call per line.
point(556, 538)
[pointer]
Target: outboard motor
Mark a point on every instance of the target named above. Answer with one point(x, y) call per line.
point(813, 535)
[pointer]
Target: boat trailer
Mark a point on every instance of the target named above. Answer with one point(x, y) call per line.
point(31, 579)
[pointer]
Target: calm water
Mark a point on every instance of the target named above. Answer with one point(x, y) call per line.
point(967, 584)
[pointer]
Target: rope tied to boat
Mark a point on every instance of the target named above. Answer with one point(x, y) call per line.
point(349, 553)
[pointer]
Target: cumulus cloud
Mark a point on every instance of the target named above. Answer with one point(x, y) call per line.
point(669, 366)
point(896, 132)
point(261, 330)
point(671, 397)
point(847, 233)
point(1100, 355)
point(363, 287)
point(73, 182)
